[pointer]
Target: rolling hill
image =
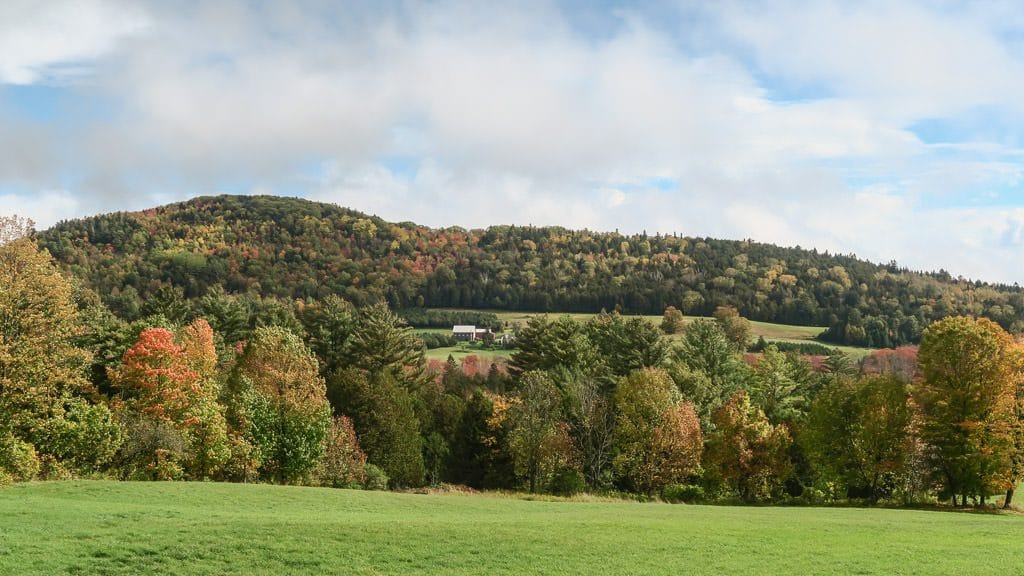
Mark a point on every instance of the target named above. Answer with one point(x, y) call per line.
point(297, 249)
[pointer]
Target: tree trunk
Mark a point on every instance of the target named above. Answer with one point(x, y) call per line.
point(1009, 498)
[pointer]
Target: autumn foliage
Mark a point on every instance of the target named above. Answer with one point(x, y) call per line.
point(746, 454)
point(970, 375)
point(229, 384)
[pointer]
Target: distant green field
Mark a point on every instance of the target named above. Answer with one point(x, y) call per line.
point(771, 332)
point(179, 528)
point(776, 332)
point(459, 353)
point(768, 330)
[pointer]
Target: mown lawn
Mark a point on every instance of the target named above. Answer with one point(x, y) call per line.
point(180, 528)
point(459, 352)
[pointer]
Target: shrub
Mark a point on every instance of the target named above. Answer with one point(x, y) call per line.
point(18, 459)
point(376, 479)
point(152, 450)
point(566, 482)
point(84, 440)
point(804, 348)
point(688, 493)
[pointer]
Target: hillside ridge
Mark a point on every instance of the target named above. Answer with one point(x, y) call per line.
point(294, 248)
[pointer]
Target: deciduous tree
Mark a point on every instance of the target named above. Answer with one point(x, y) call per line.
point(658, 437)
point(967, 401)
point(736, 328)
point(279, 402)
point(858, 435)
point(672, 321)
point(746, 453)
point(534, 432)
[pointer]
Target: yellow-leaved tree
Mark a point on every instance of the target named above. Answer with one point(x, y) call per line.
point(44, 416)
point(967, 396)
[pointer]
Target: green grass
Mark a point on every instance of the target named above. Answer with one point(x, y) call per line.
point(178, 528)
point(768, 330)
point(771, 332)
point(459, 353)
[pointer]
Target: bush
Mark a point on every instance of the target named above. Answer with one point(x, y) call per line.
point(688, 493)
point(152, 449)
point(566, 482)
point(84, 440)
point(376, 479)
point(18, 460)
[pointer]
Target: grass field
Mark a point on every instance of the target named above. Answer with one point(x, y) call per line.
point(776, 332)
point(179, 528)
point(459, 353)
point(766, 329)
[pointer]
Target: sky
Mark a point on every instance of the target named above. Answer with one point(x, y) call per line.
point(890, 130)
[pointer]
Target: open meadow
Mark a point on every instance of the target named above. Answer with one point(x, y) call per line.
point(89, 527)
point(771, 332)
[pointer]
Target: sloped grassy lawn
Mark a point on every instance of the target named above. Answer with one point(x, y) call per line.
point(185, 528)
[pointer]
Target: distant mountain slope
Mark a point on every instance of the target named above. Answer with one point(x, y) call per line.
point(293, 248)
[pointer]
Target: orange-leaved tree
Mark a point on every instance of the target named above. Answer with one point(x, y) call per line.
point(170, 386)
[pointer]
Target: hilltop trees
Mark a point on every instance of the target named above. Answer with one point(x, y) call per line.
point(293, 249)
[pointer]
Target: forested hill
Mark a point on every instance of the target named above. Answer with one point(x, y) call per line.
point(292, 248)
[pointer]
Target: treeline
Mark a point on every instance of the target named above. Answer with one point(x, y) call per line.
point(801, 348)
point(434, 318)
point(327, 393)
point(296, 249)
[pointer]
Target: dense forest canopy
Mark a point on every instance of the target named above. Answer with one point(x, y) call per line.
point(323, 392)
point(297, 249)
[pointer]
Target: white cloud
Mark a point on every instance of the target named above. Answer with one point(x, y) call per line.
point(45, 208)
point(912, 59)
point(56, 40)
point(513, 115)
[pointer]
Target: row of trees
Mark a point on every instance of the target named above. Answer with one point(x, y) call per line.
point(775, 429)
point(296, 249)
point(324, 392)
